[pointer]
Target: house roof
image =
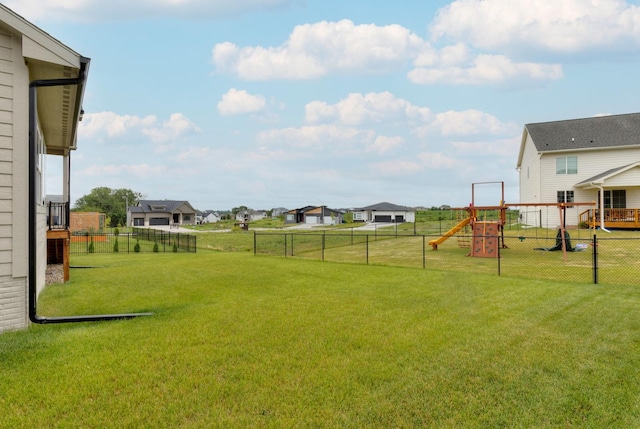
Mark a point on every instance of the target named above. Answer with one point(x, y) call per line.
point(384, 206)
point(600, 178)
point(59, 107)
point(161, 206)
point(587, 133)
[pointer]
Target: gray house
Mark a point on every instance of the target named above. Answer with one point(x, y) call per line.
point(384, 212)
point(161, 212)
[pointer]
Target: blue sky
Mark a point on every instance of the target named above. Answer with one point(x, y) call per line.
point(288, 103)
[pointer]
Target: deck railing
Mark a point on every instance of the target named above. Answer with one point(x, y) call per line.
point(613, 218)
point(57, 215)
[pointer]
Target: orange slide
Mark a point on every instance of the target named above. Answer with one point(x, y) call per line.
point(434, 243)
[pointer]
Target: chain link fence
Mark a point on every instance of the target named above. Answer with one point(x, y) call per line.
point(587, 259)
point(141, 240)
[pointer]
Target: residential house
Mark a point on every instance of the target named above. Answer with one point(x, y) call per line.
point(250, 215)
point(209, 216)
point(278, 211)
point(384, 212)
point(149, 213)
point(42, 84)
point(582, 160)
point(314, 215)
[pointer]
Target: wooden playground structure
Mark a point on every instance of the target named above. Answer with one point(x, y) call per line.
point(487, 236)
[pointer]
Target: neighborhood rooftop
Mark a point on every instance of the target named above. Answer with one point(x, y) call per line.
point(587, 133)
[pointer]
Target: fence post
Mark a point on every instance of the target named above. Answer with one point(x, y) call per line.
point(285, 244)
point(594, 244)
point(424, 253)
point(323, 235)
point(367, 247)
point(292, 235)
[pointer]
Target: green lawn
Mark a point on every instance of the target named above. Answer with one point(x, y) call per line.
point(245, 341)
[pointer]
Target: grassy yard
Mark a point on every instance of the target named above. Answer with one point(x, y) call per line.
point(244, 341)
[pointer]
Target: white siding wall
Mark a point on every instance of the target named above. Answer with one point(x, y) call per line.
point(530, 174)
point(589, 165)
point(13, 289)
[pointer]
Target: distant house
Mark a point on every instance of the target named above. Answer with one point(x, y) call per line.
point(582, 160)
point(250, 215)
point(209, 216)
point(161, 212)
point(278, 211)
point(314, 215)
point(42, 85)
point(384, 212)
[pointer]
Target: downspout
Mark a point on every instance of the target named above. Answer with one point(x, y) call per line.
point(33, 158)
point(601, 206)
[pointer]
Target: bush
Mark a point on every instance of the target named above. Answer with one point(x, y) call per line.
point(116, 247)
point(116, 232)
point(91, 248)
point(136, 248)
point(156, 249)
point(175, 247)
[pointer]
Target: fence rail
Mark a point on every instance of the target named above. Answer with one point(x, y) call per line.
point(141, 240)
point(589, 259)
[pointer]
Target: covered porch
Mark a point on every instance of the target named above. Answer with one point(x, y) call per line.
point(618, 198)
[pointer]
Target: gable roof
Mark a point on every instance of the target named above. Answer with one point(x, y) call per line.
point(167, 206)
point(587, 133)
point(600, 178)
point(384, 206)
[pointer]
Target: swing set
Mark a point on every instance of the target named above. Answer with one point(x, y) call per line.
point(487, 235)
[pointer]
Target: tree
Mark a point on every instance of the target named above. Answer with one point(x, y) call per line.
point(109, 201)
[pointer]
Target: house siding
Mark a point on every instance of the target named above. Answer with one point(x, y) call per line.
point(590, 163)
point(13, 286)
point(530, 173)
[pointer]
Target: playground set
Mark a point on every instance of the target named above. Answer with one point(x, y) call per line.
point(488, 235)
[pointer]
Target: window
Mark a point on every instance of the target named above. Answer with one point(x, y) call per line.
point(567, 165)
point(565, 197)
point(616, 199)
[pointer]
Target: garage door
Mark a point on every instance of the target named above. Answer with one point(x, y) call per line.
point(159, 221)
point(138, 221)
point(382, 218)
point(399, 218)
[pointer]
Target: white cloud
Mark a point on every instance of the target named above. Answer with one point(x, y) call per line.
point(567, 26)
point(318, 137)
point(314, 50)
point(371, 108)
point(177, 126)
point(484, 69)
point(111, 125)
point(100, 10)
point(383, 144)
point(466, 123)
point(238, 102)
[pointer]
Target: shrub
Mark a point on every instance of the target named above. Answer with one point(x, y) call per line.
point(156, 249)
point(91, 247)
point(175, 247)
point(116, 247)
point(116, 232)
point(136, 247)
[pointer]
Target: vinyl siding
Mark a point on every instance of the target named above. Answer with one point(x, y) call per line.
point(590, 163)
point(13, 291)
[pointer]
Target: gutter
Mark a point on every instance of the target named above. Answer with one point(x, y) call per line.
point(33, 158)
point(601, 206)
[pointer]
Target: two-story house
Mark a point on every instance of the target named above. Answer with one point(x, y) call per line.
point(582, 160)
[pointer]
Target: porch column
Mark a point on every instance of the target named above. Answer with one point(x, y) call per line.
point(66, 170)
